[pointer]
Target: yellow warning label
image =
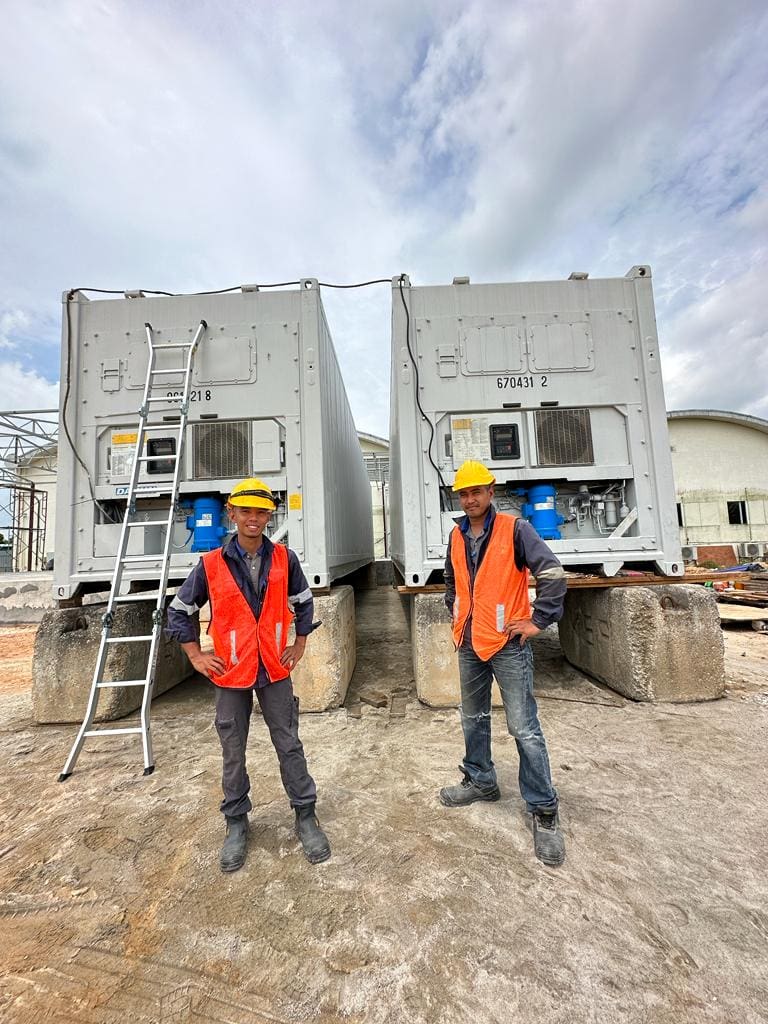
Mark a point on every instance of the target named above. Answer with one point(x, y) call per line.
point(124, 438)
point(461, 424)
point(294, 501)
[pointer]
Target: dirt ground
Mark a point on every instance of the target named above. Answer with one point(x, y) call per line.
point(114, 910)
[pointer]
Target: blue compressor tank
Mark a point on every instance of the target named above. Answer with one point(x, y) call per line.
point(205, 523)
point(540, 511)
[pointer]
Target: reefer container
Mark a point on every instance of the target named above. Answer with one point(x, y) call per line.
point(267, 400)
point(556, 387)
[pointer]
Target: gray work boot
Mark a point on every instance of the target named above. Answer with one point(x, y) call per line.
point(313, 839)
point(232, 854)
point(548, 841)
point(466, 793)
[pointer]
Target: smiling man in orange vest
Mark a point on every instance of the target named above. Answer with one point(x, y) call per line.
point(254, 588)
point(486, 590)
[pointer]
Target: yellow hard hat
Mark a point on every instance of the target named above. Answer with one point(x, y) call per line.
point(472, 474)
point(253, 493)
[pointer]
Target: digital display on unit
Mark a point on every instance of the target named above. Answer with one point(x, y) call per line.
point(161, 446)
point(505, 441)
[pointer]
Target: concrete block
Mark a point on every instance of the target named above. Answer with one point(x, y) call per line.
point(647, 643)
point(25, 596)
point(435, 662)
point(322, 676)
point(66, 646)
point(385, 574)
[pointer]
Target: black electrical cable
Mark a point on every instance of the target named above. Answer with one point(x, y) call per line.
point(442, 487)
point(360, 284)
point(239, 287)
point(234, 288)
point(64, 424)
point(118, 291)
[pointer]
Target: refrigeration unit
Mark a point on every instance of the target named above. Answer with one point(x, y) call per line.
point(556, 387)
point(267, 401)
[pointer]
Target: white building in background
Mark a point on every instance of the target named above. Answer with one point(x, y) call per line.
point(376, 455)
point(720, 463)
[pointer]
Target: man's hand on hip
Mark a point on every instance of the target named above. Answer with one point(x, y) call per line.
point(293, 654)
point(206, 663)
point(524, 627)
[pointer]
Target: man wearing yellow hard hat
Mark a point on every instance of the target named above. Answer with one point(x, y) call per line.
point(490, 555)
point(255, 589)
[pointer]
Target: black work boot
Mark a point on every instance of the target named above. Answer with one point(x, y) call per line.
point(548, 841)
point(232, 854)
point(313, 839)
point(466, 793)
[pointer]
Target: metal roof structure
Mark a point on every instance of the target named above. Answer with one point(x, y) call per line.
point(25, 435)
point(739, 418)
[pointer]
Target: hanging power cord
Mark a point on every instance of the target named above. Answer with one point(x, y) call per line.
point(361, 284)
point(64, 424)
point(442, 488)
point(70, 294)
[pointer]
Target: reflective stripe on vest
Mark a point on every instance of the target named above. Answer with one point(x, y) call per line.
point(500, 592)
point(238, 638)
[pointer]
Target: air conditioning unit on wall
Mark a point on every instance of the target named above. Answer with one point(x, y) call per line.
point(752, 550)
point(690, 554)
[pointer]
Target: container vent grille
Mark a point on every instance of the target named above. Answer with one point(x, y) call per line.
point(564, 437)
point(222, 450)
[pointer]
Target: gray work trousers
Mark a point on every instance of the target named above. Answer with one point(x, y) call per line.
point(281, 714)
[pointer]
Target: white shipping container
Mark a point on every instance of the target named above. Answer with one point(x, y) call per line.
point(267, 401)
point(556, 387)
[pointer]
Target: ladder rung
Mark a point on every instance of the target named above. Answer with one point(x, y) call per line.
point(171, 344)
point(146, 595)
point(178, 370)
point(161, 426)
point(111, 732)
point(157, 458)
point(142, 558)
point(121, 682)
point(130, 639)
point(166, 398)
point(150, 522)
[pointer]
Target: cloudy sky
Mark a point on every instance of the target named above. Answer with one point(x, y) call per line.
point(186, 145)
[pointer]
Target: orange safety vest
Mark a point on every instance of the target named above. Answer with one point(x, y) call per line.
point(239, 638)
point(500, 593)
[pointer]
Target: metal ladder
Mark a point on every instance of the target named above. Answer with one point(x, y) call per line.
point(145, 428)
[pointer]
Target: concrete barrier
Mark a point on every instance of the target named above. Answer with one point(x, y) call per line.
point(435, 663)
point(647, 643)
point(385, 573)
point(66, 646)
point(322, 676)
point(25, 596)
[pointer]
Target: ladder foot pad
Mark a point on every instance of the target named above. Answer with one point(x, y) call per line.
point(64, 776)
point(148, 771)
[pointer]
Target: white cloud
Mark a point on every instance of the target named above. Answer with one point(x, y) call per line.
point(22, 389)
point(191, 146)
point(720, 349)
point(12, 320)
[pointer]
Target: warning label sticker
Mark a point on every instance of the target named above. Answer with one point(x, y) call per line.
point(123, 449)
point(471, 439)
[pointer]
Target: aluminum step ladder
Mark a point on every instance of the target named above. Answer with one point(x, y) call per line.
point(152, 403)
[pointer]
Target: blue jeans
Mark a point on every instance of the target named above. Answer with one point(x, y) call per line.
point(513, 669)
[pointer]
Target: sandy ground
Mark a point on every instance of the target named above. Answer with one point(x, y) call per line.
point(114, 910)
